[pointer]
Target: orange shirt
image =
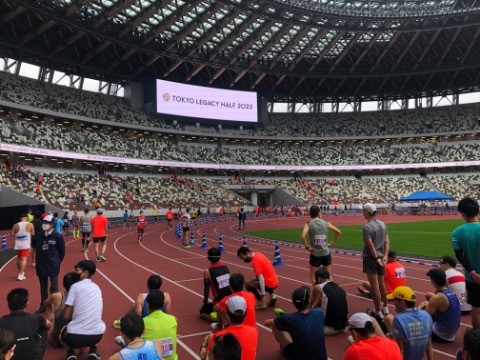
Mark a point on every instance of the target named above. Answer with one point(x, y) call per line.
point(99, 224)
point(141, 220)
point(169, 214)
point(394, 276)
point(246, 335)
point(251, 301)
point(261, 265)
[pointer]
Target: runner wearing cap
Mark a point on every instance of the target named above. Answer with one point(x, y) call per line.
point(99, 233)
point(375, 250)
point(366, 343)
point(300, 334)
point(246, 335)
point(394, 276)
point(410, 328)
point(319, 246)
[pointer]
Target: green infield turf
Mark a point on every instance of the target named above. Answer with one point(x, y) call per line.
point(424, 238)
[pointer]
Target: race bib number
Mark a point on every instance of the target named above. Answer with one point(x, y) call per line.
point(86, 226)
point(400, 273)
point(223, 281)
point(44, 246)
point(167, 346)
point(320, 240)
point(22, 242)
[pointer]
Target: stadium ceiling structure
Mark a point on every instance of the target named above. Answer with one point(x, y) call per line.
point(287, 50)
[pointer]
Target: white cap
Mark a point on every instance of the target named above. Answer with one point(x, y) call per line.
point(237, 304)
point(359, 321)
point(371, 208)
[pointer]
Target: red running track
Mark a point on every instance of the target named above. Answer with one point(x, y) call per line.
point(129, 264)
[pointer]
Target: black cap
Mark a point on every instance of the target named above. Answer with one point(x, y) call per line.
point(392, 253)
point(322, 273)
point(88, 265)
point(301, 296)
point(438, 275)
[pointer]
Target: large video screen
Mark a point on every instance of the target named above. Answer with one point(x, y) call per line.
point(206, 103)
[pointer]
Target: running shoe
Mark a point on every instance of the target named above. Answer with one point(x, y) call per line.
point(21, 277)
point(272, 301)
point(361, 291)
point(186, 246)
point(278, 312)
point(260, 305)
point(119, 340)
point(215, 327)
point(350, 339)
point(98, 259)
point(103, 257)
point(34, 264)
point(116, 324)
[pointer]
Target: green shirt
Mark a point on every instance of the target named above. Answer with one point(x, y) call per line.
point(467, 239)
point(160, 326)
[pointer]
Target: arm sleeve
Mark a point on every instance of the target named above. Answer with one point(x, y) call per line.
point(261, 284)
point(206, 290)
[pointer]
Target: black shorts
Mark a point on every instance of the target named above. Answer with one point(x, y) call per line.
point(169, 220)
point(473, 294)
point(125, 220)
point(141, 231)
point(85, 234)
point(185, 229)
point(320, 260)
point(370, 266)
point(99, 239)
point(76, 341)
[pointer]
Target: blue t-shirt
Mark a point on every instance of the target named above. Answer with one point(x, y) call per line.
point(307, 334)
point(125, 215)
point(415, 326)
point(467, 239)
point(145, 352)
point(58, 225)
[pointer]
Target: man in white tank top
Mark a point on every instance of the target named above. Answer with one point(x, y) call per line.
point(456, 282)
point(22, 233)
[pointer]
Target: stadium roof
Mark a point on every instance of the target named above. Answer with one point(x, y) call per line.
point(288, 50)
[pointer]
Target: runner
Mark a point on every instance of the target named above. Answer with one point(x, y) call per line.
point(86, 229)
point(186, 228)
point(99, 233)
point(141, 220)
point(169, 218)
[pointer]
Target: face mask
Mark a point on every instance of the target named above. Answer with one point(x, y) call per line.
point(247, 260)
point(45, 227)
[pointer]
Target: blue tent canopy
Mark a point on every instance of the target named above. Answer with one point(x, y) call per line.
point(426, 195)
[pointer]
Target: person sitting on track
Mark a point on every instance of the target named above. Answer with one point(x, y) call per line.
point(216, 278)
point(471, 345)
point(300, 334)
point(132, 327)
point(456, 282)
point(443, 306)
point(140, 307)
point(237, 284)
point(55, 304)
point(246, 335)
point(394, 276)
point(332, 299)
point(366, 343)
point(160, 326)
point(225, 347)
point(266, 281)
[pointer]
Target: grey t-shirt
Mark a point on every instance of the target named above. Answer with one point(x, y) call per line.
point(86, 223)
point(377, 231)
point(318, 231)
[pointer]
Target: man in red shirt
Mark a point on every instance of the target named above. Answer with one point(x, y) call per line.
point(266, 281)
point(237, 283)
point(141, 221)
point(246, 335)
point(394, 276)
point(99, 233)
point(169, 218)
